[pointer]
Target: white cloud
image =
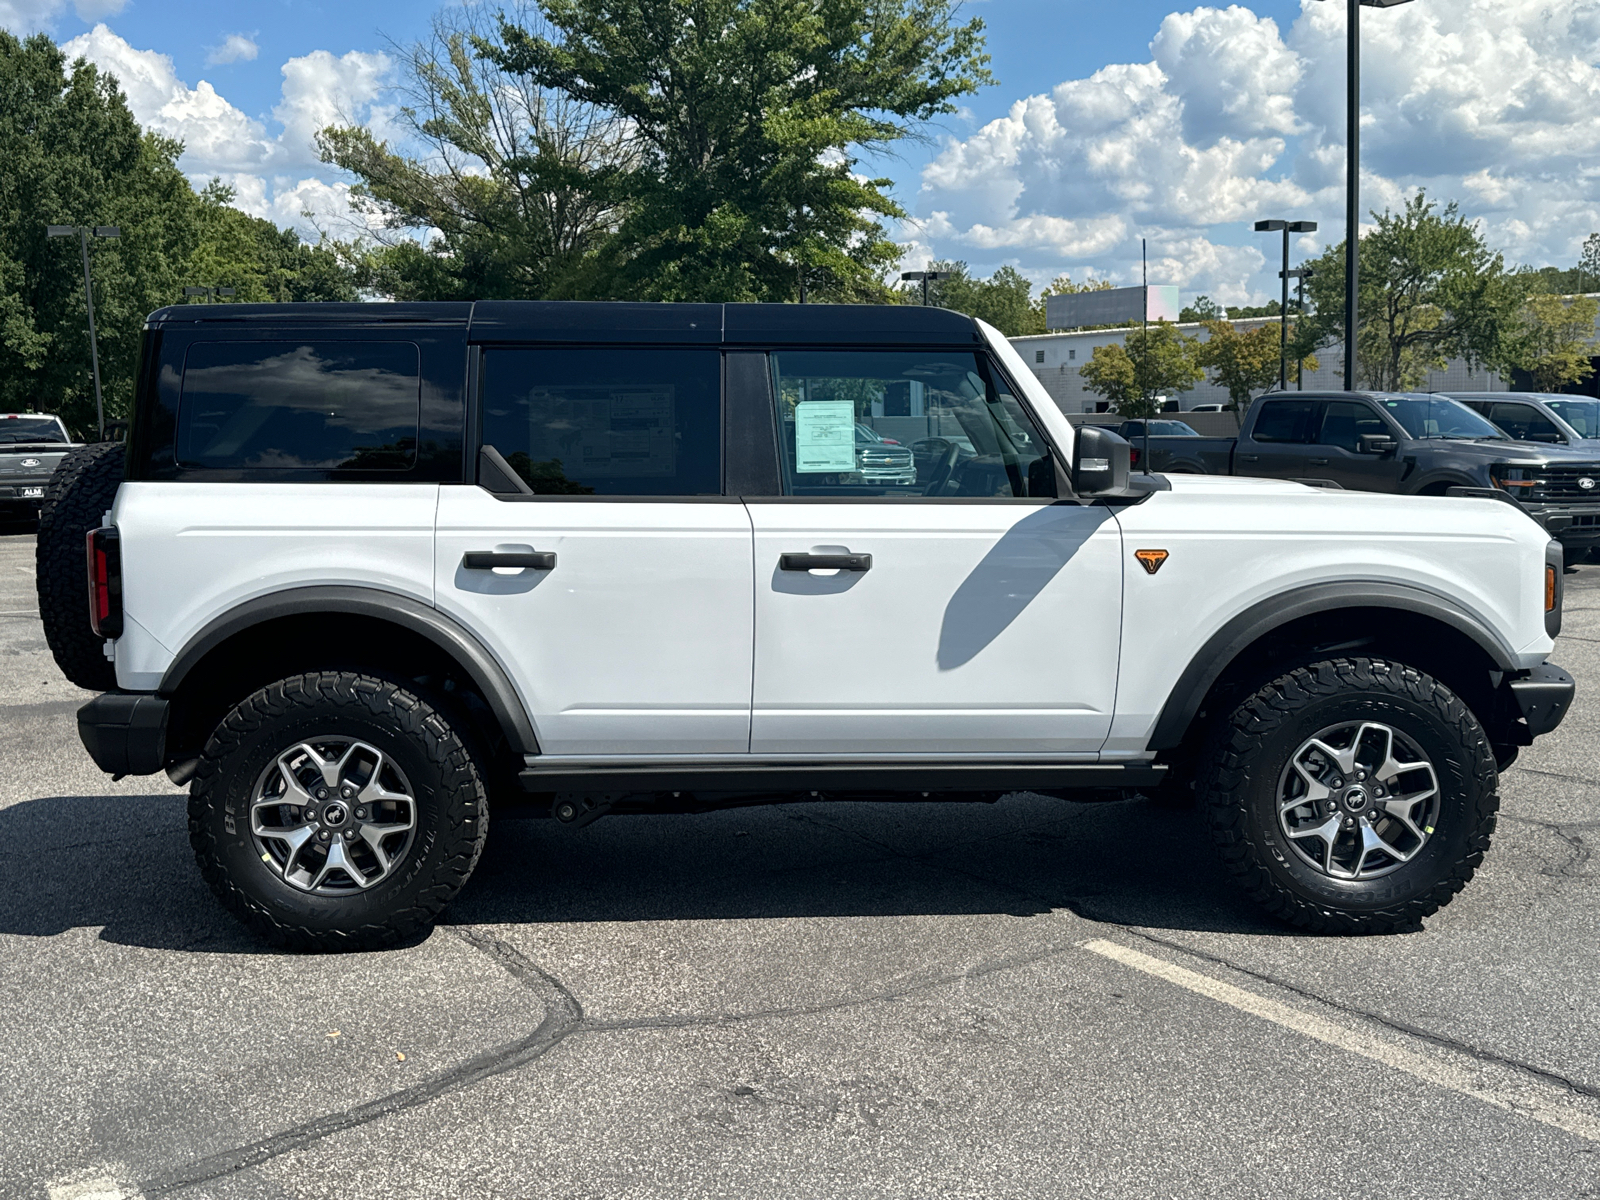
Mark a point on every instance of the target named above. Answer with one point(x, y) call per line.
point(236, 47)
point(33, 16)
point(1495, 103)
point(267, 171)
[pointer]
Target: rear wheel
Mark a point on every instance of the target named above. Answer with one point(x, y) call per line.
point(1351, 796)
point(337, 811)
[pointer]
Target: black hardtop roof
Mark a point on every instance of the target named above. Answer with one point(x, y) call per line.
point(590, 322)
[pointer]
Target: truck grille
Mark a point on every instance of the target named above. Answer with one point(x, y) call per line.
point(1564, 484)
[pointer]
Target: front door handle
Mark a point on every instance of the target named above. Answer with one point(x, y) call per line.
point(825, 562)
point(488, 560)
point(1319, 462)
point(1249, 458)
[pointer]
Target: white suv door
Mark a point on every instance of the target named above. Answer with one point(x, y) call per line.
point(957, 612)
point(618, 596)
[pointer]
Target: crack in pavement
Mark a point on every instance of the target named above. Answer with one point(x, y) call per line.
point(563, 1014)
point(1568, 832)
point(564, 1018)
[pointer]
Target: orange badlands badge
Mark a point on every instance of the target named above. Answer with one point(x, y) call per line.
point(1151, 560)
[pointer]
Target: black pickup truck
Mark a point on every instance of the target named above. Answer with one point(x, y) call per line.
point(1404, 443)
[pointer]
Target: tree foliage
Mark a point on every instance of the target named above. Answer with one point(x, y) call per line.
point(746, 120)
point(1005, 299)
point(1150, 365)
point(1552, 340)
point(515, 185)
point(71, 153)
point(1431, 290)
point(1247, 362)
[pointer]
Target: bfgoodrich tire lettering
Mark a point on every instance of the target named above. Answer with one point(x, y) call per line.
point(1248, 758)
point(431, 860)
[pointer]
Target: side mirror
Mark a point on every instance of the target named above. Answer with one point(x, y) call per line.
point(1378, 443)
point(1101, 462)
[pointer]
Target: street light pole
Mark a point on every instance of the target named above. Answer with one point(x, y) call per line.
point(1300, 274)
point(101, 231)
point(1287, 227)
point(1352, 213)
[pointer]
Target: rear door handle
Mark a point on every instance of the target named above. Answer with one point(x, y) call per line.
point(1319, 462)
point(488, 560)
point(825, 562)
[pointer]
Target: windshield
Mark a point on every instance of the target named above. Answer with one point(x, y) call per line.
point(1425, 417)
point(1582, 415)
point(30, 429)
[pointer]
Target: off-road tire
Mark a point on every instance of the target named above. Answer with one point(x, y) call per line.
point(1247, 754)
point(451, 803)
point(76, 499)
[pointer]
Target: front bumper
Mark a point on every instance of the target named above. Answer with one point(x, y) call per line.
point(1541, 698)
point(125, 732)
point(1575, 526)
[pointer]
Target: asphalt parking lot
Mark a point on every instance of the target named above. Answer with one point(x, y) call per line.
point(1027, 999)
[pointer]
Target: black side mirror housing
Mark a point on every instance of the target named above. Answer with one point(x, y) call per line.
point(1101, 462)
point(1378, 443)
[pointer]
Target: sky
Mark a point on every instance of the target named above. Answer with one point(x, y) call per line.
point(1112, 122)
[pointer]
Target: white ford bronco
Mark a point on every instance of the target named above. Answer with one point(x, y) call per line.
point(363, 572)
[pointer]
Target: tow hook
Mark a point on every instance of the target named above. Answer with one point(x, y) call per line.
point(577, 809)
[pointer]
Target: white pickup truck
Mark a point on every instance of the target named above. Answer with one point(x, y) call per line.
point(366, 568)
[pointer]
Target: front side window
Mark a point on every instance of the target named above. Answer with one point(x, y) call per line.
point(905, 424)
point(1285, 421)
point(606, 422)
point(287, 405)
point(1346, 422)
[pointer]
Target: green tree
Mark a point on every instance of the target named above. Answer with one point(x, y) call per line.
point(72, 154)
point(1589, 265)
point(1552, 339)
point(262, 263)
point(517, 183)
point(1247, 362)
point(747, 119)
point(1203, 309)
point(1150, 365)
point(1005, 299)
point(1431, 290)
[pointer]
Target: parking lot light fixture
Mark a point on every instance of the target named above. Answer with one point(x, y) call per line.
point(926, 277)
point(83, 232)
point(1286, 228)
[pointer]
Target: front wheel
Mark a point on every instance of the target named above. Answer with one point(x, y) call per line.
point(336, 811)
point(1351, 796)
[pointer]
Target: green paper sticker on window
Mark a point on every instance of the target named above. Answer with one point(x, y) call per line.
point(824, 436)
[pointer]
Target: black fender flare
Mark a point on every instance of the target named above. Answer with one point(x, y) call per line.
point(456, 641)
point(1449, 477)
point(1224, 646)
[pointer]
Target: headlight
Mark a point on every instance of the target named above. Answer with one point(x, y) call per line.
point(1514, 479)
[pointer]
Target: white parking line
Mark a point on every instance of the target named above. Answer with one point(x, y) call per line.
point(90, 1187)
point(1544, 1102)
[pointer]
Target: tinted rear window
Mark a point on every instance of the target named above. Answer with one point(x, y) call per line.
point(607, 422)
point(17, 430)
point(1284, 421)
point(327, 405)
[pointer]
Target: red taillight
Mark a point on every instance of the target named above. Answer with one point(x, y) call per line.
point(105, 582)
point(1133, 457)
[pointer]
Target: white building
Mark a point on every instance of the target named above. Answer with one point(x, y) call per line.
point(1056, 359)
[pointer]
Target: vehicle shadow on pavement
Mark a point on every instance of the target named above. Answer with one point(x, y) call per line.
point(123, 864)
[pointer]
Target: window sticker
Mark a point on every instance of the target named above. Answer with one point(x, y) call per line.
point(824, 436)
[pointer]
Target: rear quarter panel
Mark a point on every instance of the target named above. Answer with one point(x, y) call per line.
point(192, 551)
point(1236, 543)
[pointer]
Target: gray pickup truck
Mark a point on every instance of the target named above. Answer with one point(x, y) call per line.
point(1401, 443)
point(31, 444)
